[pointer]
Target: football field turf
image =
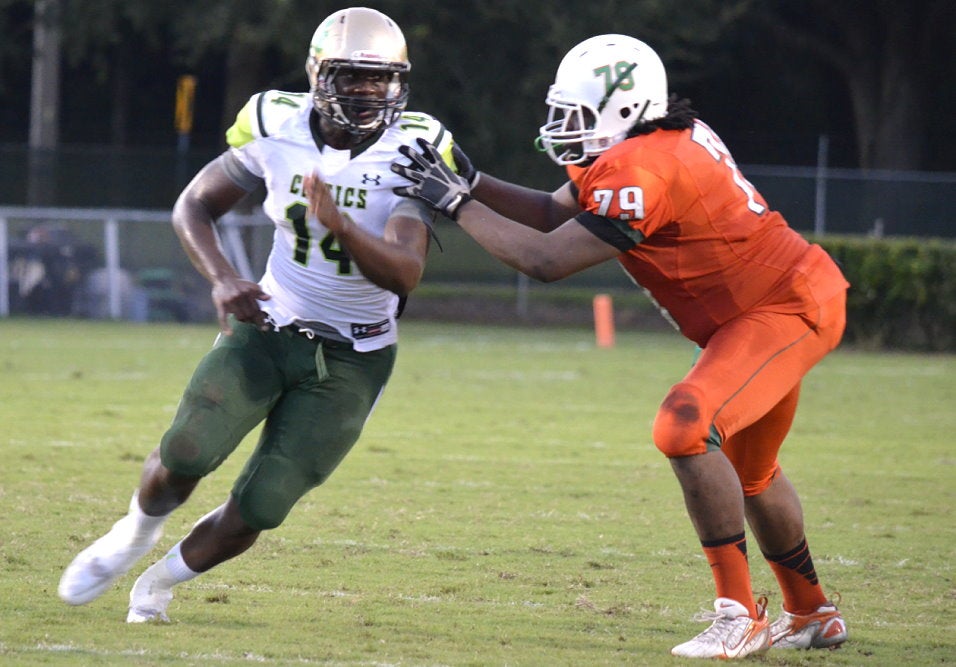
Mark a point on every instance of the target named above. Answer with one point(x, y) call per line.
point(505, 506)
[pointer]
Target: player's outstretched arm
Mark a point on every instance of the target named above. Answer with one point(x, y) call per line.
point(550, 256)
point(538, 209)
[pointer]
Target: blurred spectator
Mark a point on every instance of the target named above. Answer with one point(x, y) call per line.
point(46, 268)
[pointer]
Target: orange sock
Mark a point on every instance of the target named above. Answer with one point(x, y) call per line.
point(728, 563)
point(798, 580)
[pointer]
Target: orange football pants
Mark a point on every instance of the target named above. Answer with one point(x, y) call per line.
point(741, 394)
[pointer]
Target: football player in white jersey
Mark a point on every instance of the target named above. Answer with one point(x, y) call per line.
point(308, 349)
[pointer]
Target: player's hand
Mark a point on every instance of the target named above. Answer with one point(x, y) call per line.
point(322, 203)
point(432, 181)
point(239, 298)
point(466, 169)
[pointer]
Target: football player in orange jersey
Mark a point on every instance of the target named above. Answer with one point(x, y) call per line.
point(655, 188)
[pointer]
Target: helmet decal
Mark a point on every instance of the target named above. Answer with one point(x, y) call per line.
point(623, 80)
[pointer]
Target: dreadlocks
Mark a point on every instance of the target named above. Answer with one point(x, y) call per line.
point(680, 116)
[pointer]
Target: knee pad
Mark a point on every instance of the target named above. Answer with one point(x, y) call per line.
point(202, 434)
point(268, 492)
point(182, 453)
point(682, 425)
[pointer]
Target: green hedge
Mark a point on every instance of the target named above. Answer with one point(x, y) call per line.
point(902, 294)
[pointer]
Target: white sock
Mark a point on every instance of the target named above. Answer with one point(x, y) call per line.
point(163, 574)
point(144, 525)
point(175, 566)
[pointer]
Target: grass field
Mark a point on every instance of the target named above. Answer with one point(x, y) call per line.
point(505, 506)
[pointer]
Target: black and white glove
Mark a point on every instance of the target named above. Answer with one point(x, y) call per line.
point(465, 167)
point(432, 181)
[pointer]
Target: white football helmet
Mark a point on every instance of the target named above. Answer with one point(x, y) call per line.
point(358, 39)
point(603, 86)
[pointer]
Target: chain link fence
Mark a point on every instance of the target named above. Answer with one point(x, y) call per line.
point(85, 231)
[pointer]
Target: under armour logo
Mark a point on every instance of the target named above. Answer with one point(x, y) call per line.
point(370, 330)
point(366, 179)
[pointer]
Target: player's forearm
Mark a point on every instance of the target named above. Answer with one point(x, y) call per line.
point(532, 208)
point(393, 271)
point(389, 265)
point(518, 246)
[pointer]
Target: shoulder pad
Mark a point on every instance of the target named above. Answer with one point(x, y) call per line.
point(414, 124)
point(264, 114)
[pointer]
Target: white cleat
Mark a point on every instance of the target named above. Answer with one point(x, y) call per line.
point(824, 628)
point(140, 615)
point(150, 596)
point(731, 635)
point(95, 568)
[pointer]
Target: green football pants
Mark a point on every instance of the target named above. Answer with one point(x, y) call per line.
point(313, 395)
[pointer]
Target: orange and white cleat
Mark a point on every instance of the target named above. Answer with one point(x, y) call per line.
point(733, 633)
point(824, 628)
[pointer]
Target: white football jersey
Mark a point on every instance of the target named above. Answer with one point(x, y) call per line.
point(308, 275)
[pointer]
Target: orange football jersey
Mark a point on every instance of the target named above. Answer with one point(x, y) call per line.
point(696, 234)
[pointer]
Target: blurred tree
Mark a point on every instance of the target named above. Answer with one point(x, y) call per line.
point(237, 45)
point(257, 43)
point(16, 43)
point(895, 59)
point(110, 36)
point(483, 66)
point(16, 27)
